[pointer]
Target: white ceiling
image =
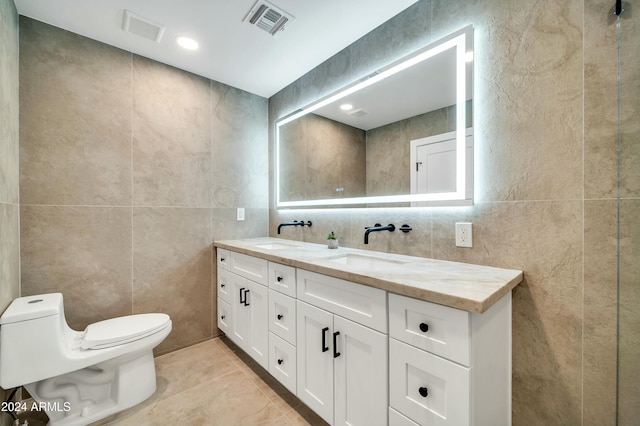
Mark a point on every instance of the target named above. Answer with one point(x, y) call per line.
point(231, 51)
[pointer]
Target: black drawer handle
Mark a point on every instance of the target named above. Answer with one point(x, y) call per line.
point(424, 392)
point(336, 354)
point(279, 316)
point(424, 327)
point(222, 285)
point(244, 302)
point(222, 260)
point(221, 317)
point(280, 362)
point(324, 339)
point(279, 279)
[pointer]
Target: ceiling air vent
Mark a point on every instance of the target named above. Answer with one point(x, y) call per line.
point(143, 27)
point(268, 17)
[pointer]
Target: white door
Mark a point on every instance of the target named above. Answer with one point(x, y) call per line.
point(257, 301)
point(360, 374)
point(240, 313)
point(315, 359)
point(436, 167)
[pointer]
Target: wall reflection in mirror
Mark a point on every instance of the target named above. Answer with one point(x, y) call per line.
point(401, 136)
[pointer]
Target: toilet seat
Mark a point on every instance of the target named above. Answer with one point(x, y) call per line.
point(118, 331)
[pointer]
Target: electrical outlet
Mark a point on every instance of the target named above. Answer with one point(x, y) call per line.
point(464, 235)
point(240, 214)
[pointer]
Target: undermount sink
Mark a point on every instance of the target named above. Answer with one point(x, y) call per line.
point(369, 262)
point(275, 246)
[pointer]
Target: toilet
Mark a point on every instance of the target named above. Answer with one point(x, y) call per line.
point(78, 377)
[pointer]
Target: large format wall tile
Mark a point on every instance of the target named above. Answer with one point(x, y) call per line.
point(83, 253)
point(629, 320)
point(171, 136)
point(9, 106)
point(600, 316)
point(239, 147)
point(9, 254)
point(544, 239)
point(75, 119)
point(528, 99)
point(172, 270)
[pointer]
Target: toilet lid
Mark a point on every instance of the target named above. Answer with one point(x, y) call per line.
point(117, 331)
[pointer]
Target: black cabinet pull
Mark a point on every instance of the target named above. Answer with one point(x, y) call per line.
point(279, 279)
point(424, 392)
point(424, 327)
point(222, 260)
point(222, 285)
point(242, 302)
point(222, 317)
point(324, 339)
point(280, 362)
point(279, 316)
point(246, 299)
point(336, 354)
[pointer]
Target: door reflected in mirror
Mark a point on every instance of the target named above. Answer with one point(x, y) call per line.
point(401, 136)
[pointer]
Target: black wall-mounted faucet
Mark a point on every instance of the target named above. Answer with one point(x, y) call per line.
point(294, 223)
point(377, 227)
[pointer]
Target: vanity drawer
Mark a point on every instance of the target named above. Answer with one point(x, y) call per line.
point(282, 278)
point(282, 362)
point(224, 285)
point(224, 316)
point(426, 388)
point(249, 267)
point(223, 258)
point(359, 303)
point(445, 331)
point(282, 316)
point(397, 419)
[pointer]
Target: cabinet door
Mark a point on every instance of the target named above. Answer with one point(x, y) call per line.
point(240, 313)
point(360, 364)
point(257, 301)
point(315, 359)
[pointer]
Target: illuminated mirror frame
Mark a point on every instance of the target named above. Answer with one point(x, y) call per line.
point(461, 40)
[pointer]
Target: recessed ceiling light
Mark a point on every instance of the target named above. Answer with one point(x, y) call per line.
point(468, 57)
point(346, 107)
point(187, 43)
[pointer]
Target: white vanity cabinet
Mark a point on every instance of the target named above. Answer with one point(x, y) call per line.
point(342, 368)
point(448, 366)
point(342, 349)
point(359, 355)
point(243, 304)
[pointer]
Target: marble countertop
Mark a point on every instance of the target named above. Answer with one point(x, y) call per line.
point(472, 288)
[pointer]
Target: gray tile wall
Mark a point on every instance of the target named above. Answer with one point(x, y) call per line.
point(545, 188)
point(128, 171)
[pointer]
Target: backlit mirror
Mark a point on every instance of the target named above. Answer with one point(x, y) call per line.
point(401, 136)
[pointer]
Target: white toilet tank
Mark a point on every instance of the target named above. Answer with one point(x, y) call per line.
point(34, 336)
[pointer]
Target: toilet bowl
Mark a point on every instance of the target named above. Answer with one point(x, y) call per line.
point(78, 377)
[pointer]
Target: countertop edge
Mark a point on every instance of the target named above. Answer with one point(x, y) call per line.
point(451, 300)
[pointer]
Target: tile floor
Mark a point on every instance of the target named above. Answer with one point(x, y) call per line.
point(213, 383)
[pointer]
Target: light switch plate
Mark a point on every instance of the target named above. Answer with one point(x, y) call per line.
point(464, 234)
point(240, 214)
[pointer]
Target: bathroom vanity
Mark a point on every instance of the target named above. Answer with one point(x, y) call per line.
point(369, 338)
